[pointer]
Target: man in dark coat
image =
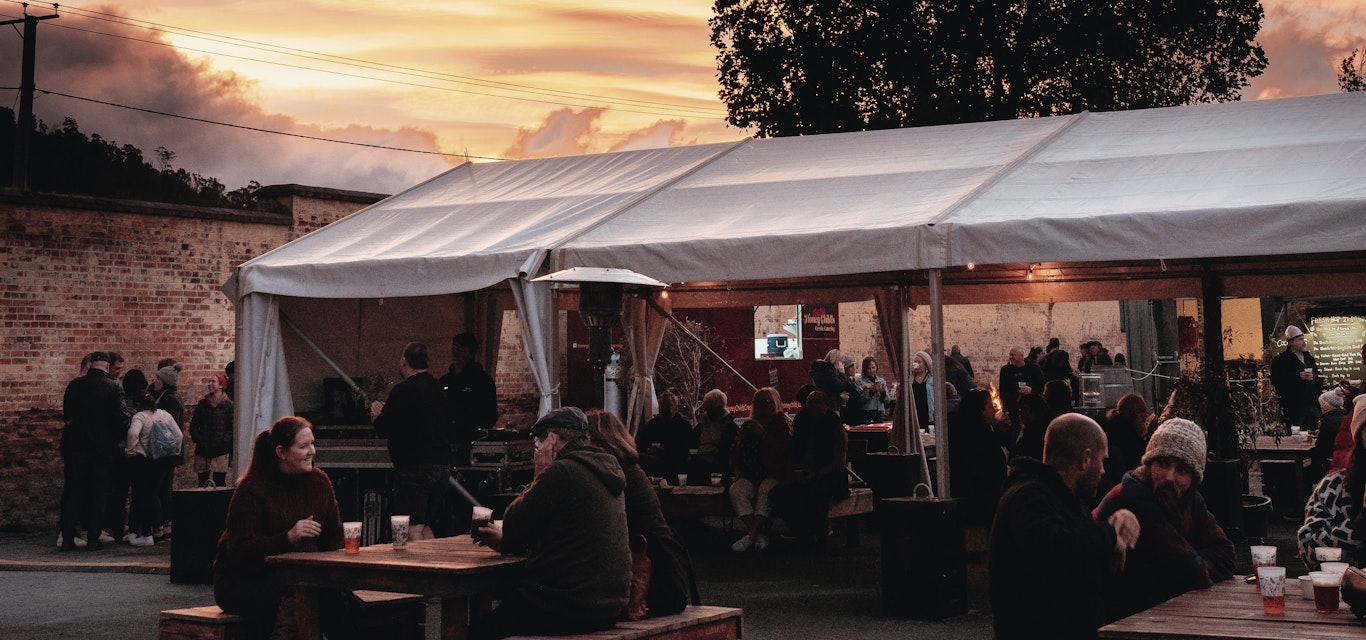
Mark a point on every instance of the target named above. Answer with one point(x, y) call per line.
point(1298, 383)
point(1018, 377)
point(1048, 557)
point(570, 522)
point(471, 397)
point(1182, 546)
point(92, 433)
point(414, 421)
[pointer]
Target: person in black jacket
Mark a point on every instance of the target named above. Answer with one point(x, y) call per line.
point(415, 422)
point(471, 396)
point(92, 436)
point(1298, 382)
point(1048, 558)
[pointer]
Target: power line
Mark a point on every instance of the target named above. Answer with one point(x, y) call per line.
point(270, 131)
point(699, 112)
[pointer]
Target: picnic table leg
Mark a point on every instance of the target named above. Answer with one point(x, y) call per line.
point(455, 619)
point(306, 613)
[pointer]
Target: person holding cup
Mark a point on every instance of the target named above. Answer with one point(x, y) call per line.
point(1295, 375)
point(1333, 515)
point(282, 503)
point(1018, 377)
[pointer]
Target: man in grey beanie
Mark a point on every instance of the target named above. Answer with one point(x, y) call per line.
point(1181, 546)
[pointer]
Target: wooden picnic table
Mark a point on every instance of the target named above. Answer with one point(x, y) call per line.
point(1295, 449)
point(454, 570)
point(1233, 609)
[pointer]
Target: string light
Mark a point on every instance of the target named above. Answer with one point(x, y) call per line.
point(1030, 275)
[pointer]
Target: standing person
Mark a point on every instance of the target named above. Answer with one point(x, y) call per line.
point(121, 478)
point(414, 421)
point(471, 396)
point(230, 371)
point(671, 575)
point(922, 389)
point(282, 503)
point(870, 399)
point(1089, 350)
point(957, 355)
point(760, 461)
point(211, 432)
point(1056, 363)
point(663, 442)
point(166, 391)
point(1018, 377)
point(148, 471)
point(1049, 560)
point(977, 463)
point(92, 435)
point(713, 436)
point(1181, 547)
point(828, 376)
point(1298, 384)
point(570, 522)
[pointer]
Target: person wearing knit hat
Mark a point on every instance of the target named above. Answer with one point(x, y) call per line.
point(1333, 405)
point(1331, 513)
point(1181, 547)
point(1295, 375)
point(165, 389)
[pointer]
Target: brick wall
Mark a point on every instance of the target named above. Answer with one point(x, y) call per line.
point(85, 274)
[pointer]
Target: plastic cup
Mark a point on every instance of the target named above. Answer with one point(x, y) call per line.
point(1306, 587)
point(1327, 590)
point(1271, 581)
point(1328, 554)
point(479, 517)
point(1334, 567)
point(1262, 556)
point(351, 537)
point(399, 526)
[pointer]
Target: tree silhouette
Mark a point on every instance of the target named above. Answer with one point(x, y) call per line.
point(1352, 70)
point(791, 67)
point(64, 160)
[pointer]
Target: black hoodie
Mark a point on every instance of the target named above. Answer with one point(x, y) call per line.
point(1047, 560)
point(571, 524)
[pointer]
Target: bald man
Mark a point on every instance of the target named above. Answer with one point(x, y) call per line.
point(1049, 559)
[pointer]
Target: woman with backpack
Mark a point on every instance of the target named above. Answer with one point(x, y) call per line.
point(154, 440)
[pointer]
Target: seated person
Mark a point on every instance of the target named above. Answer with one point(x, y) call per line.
point(1334, 516)
point(1332, 404)
point(663, 442)
point(820, 448)
point(1034, 419)
point(282, 503)
point(1181, 547)
point(761, 460)
point(570, 522)
point(712, 437)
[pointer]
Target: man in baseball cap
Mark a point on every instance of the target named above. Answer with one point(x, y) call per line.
point(1181, 547)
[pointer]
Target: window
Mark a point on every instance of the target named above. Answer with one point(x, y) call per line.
point(778, 332)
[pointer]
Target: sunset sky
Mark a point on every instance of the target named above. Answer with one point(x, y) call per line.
point(486, 78)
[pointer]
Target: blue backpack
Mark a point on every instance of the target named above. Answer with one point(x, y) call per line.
point(163, 441)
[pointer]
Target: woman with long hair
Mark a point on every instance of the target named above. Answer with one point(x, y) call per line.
point(870, 398)
point(282, 503)
point(671, 577)
point(760, 460)
point(1333, 516)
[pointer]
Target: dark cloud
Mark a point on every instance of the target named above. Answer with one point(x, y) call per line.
point(126, 71)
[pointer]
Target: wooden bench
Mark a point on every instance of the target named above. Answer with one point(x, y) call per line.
point(703, 502)
point(384, 610)
point(695, 623)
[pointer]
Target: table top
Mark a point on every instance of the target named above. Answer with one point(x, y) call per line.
point(1233, 609)
point(445, 567)
point(1285, 443)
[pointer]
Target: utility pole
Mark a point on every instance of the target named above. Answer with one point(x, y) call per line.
point(25, 123)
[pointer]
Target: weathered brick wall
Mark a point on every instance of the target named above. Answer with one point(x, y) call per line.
point(82, 274)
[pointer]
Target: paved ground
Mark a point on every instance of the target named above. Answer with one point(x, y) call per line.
point(116, 593)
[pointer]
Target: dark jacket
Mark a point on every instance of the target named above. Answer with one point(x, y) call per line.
point(1172, 556)
point(1290, 389)
point(472, 401)
point(1009, 388)
point(1047, 558)
point(1056, 365)
point(93, 417)
point(571, 525)
point(831, 381)
point(1126, 449)
point(977, 468)
point(414, 420)
point(211, 429)
point(671, 577)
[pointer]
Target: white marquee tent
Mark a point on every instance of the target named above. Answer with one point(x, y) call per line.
point(1259, 179)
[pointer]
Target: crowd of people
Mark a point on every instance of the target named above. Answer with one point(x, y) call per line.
point(123, 436)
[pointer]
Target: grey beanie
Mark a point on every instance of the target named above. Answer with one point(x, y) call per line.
point(169, 374)
point(1181, 439)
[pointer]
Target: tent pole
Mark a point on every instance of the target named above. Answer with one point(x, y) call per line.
point(679, 325)
point(905, 394)
point(940, 398)
point(318, 350)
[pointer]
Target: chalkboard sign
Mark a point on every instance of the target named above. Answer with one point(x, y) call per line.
point(1335, 340)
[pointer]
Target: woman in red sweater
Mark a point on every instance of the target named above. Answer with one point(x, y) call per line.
point(283, 503)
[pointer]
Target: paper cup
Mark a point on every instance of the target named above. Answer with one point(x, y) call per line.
point(1328, 554)
point(351, 537)
point(1306, 587)
point(1271, 581)
point(400, 531)
point(479, 517)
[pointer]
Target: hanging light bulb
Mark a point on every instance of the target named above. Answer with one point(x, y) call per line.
point(1030, 275)
point(972, 265)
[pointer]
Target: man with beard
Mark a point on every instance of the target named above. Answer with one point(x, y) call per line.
point(1182, 547)
point(1048, 557)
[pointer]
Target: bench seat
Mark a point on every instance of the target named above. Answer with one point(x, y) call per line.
point(210, 623)
point(695, 623)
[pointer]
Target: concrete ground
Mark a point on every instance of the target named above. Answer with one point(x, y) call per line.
point(116, 593)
